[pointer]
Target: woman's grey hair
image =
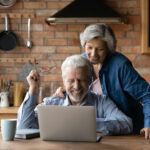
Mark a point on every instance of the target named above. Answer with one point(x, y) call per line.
point(74, 61)
point(99, 30)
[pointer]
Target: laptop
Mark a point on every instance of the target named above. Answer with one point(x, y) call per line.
point(67, 123)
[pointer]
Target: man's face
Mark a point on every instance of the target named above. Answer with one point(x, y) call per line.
point(76, 84)
point(96, 50)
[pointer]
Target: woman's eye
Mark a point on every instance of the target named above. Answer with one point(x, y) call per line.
point(100, 49)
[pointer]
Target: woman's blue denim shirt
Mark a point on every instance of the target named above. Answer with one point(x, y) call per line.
point(123, 84)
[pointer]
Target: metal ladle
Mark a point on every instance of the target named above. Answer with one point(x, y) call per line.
point(29, 42)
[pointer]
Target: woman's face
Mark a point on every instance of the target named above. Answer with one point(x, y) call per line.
point(96, 50)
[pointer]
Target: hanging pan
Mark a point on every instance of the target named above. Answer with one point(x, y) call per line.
point(6, 3)
point(8, 39)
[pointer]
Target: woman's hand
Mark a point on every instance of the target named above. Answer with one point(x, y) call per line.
point(59, 92)
point(146, 132)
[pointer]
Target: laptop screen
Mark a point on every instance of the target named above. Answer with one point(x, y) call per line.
point(67, 123)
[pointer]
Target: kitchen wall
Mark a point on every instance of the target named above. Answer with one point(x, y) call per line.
point(51, 44)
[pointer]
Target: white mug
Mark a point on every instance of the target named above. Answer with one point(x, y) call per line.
point(4, 99)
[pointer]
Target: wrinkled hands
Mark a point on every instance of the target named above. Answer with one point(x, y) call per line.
point(33, 80)
point(146, 132)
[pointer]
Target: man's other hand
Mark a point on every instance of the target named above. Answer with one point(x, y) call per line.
point(33, 80)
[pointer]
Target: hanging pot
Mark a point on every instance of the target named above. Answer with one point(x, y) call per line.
point(7, 3)
point(8, 39)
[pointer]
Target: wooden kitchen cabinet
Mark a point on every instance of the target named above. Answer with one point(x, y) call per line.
point(145, 22)
point(8, 112)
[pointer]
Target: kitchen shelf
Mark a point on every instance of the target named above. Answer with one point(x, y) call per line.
point(16, 15)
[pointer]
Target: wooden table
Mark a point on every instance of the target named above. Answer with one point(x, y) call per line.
point(107, 143)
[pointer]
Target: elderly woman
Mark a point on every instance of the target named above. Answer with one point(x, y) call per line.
point(116, 75)
point(113, 75)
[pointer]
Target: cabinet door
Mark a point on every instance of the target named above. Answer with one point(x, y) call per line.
point(9, 112)
point(145, 24)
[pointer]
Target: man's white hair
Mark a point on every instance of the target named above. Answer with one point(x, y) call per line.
point(74, 61)
point(99, 30)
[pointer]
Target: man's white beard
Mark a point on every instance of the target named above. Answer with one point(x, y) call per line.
point(77, 99)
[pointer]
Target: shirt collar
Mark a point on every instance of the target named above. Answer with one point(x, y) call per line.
point(105, 63)
point(68, 103)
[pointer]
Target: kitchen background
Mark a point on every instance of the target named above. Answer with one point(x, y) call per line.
point(53, 43)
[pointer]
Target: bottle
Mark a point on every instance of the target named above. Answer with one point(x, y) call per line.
point(18, 92)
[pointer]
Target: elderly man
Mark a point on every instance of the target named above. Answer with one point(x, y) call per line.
point(110, 120)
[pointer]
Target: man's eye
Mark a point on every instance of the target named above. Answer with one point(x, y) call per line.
point(89, 48)
point(100, 49)
point(70, 81)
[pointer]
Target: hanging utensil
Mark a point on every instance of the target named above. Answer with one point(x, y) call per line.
point(29, 42)
point(8, 39)
point(7, 3)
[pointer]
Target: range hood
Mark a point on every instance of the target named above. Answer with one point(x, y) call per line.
point(85, 11)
